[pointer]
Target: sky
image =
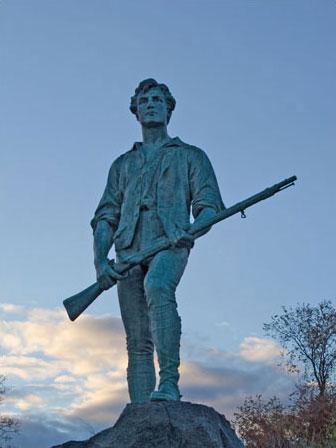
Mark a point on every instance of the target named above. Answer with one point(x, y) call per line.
point(255, 87)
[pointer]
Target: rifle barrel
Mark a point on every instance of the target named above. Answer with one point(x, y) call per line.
point(243, 205)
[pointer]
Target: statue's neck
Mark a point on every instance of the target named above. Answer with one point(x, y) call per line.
point(154, 136)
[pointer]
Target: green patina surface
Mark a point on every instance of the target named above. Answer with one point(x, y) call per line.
point(151, 191)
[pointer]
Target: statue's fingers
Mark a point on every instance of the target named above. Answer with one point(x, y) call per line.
point(116, 276)
point(186, 242)
point(190, 244)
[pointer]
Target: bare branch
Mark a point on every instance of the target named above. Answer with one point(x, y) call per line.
point(308, 335)
point(8, 425)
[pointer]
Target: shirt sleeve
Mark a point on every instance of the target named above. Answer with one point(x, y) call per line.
point(203, 183)
point(109, 206)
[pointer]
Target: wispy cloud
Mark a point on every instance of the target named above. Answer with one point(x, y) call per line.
point(11, 309)
point(259, 349)
point(223, 324)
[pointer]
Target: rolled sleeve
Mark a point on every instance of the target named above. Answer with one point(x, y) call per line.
point(203, 183)
point(109, 206)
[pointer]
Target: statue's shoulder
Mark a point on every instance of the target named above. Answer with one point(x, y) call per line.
point(115, 166)
point(126, 154)
point(123, 157)
point(193, 152)
point(193, 149)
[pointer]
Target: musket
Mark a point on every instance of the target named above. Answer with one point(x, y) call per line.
point(76, 304)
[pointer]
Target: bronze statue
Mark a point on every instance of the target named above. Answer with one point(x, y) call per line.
point(145, 213)
point(149, 193)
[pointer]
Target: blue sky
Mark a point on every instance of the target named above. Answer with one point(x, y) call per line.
point(255, 88)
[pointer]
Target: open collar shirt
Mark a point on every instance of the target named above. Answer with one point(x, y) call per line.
point(179, 179)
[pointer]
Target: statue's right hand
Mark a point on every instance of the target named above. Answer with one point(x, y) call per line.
point(106, 275)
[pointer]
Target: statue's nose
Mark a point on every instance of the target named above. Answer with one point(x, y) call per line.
point(150, 103)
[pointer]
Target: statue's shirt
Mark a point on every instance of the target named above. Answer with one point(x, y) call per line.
point(149, 227)
point(149, 173)
point(179, 178)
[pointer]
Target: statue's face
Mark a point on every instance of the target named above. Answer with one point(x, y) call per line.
point(152, 108)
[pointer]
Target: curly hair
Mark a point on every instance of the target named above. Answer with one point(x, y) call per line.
point(147, 84)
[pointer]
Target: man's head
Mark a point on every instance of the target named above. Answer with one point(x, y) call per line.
point(150, 90)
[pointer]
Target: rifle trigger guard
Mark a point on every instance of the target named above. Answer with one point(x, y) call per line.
point(242, 214)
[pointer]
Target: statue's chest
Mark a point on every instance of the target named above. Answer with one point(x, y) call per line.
point(144, 164)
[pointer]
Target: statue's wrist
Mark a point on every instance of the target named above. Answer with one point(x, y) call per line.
point(98, 262)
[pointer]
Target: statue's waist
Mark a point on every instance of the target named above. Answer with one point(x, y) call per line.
point(147, 206)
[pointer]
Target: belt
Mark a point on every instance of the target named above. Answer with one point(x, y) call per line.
point(146, 207)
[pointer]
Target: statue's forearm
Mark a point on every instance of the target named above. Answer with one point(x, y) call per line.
point(102, 241)
point(204, 215)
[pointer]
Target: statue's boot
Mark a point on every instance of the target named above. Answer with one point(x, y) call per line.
point(166, 333)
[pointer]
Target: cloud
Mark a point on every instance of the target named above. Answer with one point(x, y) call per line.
point(103, 398)
point(223, 324)
point(81, 365)
point(32, 401)
point(12, 309)
point(53, 429)
point(70, 375)
point(28, 367)
point(259, 349)
point(65, 379)
point(84, 347)
point(225, 386)
point(102, 406)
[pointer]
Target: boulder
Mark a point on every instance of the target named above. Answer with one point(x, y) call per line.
point(165, 425)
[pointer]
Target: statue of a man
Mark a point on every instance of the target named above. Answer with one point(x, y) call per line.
point(149, 193)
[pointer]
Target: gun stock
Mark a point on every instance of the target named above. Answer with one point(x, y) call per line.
point(76, 304)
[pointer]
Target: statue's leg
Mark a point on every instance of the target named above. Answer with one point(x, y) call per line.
point(164, 273)
point(140, 347)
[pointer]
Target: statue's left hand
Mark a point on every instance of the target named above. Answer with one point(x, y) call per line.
point(181, 238)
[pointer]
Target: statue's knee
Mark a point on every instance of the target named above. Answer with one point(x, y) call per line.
point(139, 348)
point(158, 292)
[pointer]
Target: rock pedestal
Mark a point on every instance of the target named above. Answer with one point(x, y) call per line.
point(165, 425)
